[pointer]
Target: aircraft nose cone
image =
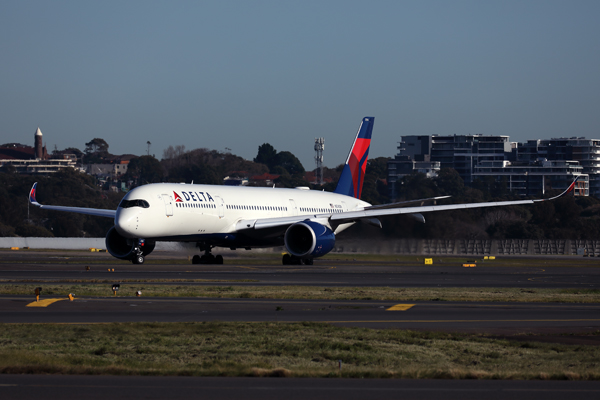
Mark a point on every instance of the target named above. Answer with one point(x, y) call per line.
point(126, 223)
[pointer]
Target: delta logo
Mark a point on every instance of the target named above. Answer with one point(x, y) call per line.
point(192, 196)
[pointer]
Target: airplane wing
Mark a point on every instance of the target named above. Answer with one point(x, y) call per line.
point(80, 210)
point(370, 214)
point(407, 203)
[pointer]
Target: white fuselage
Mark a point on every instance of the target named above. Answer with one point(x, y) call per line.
point(188, 212)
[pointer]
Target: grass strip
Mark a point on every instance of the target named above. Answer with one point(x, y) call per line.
point(271, 349)
point(545, 295)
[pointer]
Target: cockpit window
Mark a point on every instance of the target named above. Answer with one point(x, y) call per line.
point(134, 203)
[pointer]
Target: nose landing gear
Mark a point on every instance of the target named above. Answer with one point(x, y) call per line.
point(139, 258)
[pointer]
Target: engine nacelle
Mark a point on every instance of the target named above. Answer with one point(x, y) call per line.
point(309, 239)
point(125, 248)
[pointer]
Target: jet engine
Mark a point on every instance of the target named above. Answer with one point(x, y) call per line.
point(309, 239)
point(125, 248)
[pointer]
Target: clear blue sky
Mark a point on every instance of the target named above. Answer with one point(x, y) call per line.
point(236, 74)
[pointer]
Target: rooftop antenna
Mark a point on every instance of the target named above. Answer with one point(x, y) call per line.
point(319, 147)
point(148, 143)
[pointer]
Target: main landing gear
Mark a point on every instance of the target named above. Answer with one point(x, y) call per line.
point(207, 257)
point(289, 259)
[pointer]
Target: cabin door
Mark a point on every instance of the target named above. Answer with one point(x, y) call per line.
point(220, 206)
point(293, 207)
point(168, 204)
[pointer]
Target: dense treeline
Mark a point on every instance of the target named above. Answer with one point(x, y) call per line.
point(566, 218)
point(68, 188)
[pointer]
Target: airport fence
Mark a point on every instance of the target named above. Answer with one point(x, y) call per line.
point(473, 247)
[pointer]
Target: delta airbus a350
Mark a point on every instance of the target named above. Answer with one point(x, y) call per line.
point(305, 221)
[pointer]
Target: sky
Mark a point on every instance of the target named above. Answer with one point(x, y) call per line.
point(236, 74)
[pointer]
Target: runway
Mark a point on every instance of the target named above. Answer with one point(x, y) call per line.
point(39, 267)
point(51, 387)
point(552, 322)
point(492, 318)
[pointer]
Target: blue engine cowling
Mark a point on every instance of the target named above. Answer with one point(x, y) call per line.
point(309, 239)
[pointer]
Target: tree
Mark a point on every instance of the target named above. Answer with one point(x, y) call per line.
point(417, 186)
point(450, 183)
point(8, 168)
point(266, 155)
point(374, 188)
point(28, 230)
point(290, 162)
point(96, 146)
point(144, 169)
point(199, 173)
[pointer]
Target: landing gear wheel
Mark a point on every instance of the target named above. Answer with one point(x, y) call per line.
point(286, 260)
point(307, 261)
point(219, 259)
point(196, 259)
point(139, 259)
point(207, 259)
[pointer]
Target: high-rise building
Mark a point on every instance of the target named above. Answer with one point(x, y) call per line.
point(528, 169)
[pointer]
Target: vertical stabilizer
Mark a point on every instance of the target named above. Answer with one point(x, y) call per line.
point(353, 175)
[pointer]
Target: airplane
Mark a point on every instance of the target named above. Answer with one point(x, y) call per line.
point(306, 222)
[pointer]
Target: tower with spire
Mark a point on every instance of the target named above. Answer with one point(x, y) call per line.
point(39, 148)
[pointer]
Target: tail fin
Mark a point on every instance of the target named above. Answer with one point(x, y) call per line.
point(32, 199)
point(353, 174)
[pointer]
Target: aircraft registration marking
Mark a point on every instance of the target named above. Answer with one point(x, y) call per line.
point(43, 303)
point(400, 307)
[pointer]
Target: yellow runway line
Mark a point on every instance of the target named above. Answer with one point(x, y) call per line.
point(43, 303)
point(400, 307)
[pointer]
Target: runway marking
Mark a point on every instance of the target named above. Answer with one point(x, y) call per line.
point(400, 307)
point(382, 321)
point(43, 303)
point(438, 321)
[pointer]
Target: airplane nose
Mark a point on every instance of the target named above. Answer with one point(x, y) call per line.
point(126, 223)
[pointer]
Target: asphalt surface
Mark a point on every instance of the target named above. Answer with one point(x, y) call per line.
point(55, 387)
point(492, 318)
point(38, 267)
point(549, 320)
point(495, 318)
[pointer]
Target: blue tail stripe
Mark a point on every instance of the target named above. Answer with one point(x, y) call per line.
point(366, 130)
point(345, 185)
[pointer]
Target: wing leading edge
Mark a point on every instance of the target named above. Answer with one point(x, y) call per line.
point(79, 210)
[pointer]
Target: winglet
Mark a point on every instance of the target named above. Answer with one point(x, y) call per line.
point(32, 199)
point(353, 174)
point(567, 190)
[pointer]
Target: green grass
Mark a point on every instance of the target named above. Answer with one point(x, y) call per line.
point(290, 349)
point(316, 292)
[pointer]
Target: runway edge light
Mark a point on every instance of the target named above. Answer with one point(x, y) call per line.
point(38, 291)
point(115, 288)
